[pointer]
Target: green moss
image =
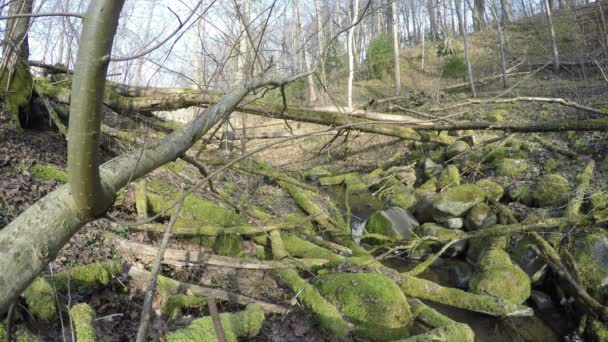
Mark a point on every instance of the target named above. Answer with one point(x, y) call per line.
point(351, 180)
point(510, 167)
point(598, 200)
point(429, 186)
point(176, 303)
point(141, 200)
point(317, 172)
point(48, 172)
point(227, 245)
point(327, 315)
point(372, 301)
point(581, 145)
point(17, 98)
point(195, 212)
point(40, 296)
point(598, 331)
point(552, 164)
point(450, 177)
point(40, 299)
point(500, 277)
point(445, 329)
point(521, 192)
point(551, 190)
point(402, 196)
point(82, 318)
point(301, 248)
point(497, 115)
point(454, 67)
point(493, 190)
point(244, 324)
point(2, 333)
point(502, 152)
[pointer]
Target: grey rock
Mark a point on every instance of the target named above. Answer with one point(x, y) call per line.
point(431, 169)
point(542, 301)
point(457, 148)
point(395, 222)
point(481, 216)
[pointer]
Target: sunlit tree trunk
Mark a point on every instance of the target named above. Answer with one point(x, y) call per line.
point(312, 92)
point(395, 37)
point(552, 36)
point(351, 43)
point(321, 43)
point(507, 13)
point(463, 20)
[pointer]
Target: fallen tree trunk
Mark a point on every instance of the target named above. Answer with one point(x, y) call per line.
point(483, 81)
point(35, 237)
point(522, 127)
point(557, 100)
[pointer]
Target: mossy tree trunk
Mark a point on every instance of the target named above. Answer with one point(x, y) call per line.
point(15, 78)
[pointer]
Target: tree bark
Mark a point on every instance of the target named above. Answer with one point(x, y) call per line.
point(507, 12)
point(463, 20)
point(552, 36)
point(395, 36)
point(351, 62)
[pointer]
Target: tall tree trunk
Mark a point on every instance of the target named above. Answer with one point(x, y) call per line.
point(312, 92)
point(501, 46)
point(479, 15)
point(140, 62)
point(321, 44)
point(15, 78)
point(507, 13)
point(395, 37)
point(463, 20)
point(351, 43)
point(552, 34)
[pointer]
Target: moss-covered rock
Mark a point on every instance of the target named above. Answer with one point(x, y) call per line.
point(317, 172)
point(499, 277)
point(431, 169)
point(481, 216)
point(551, 190)
point(450, 177)
point(501, 152)
point(510, 167)
point(493, 189)
point(400, 195)
point(244, 324)
point(581, 145)
point(551, 164)
point(457, 201)
point(523, 254)
point(521, 192)
point(428, 186)
point(457, 148)
point(598, 200)
point(394, 222)
point(372, 301)
point(82, 317)
point(591, 256)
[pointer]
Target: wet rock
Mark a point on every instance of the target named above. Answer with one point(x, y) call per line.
point(395, 222)
point(454, 223)
point(542, 301)
point(457, 272)
point(457, 201)
point(551, 190)
point(457, 148)
point(498, 276)
point(373, 302)
point(429, 186)
point(591, 256)
point(450, 177)
point(493, 189)
point(424, 206)
point(431, 169)
point(481, 216)
point(400, 195)
point(510, 167)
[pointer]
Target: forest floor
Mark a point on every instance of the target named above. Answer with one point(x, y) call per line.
point(117, 305)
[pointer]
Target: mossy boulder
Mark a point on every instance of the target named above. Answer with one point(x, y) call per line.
point(373, 302)
point(450, 177)
point(351, 180)
point(428, 186)
point(501, 152)
point(394, 222)
point(591, 256)
point(598, 200)
point(431, 169)
point(481, 216)
point(400, 196)
point(457, 148)
point(493, 189)
point(499, 277)
point(443, 234)
point(510, 167)
point(244, 324)
point(521, 192)
point(317, 172)
point(551, 190)
point(457, 201)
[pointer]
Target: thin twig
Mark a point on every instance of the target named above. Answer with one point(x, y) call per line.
point(142, 332)
point(215, 317)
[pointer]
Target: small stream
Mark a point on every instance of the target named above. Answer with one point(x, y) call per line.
point(546, 325)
